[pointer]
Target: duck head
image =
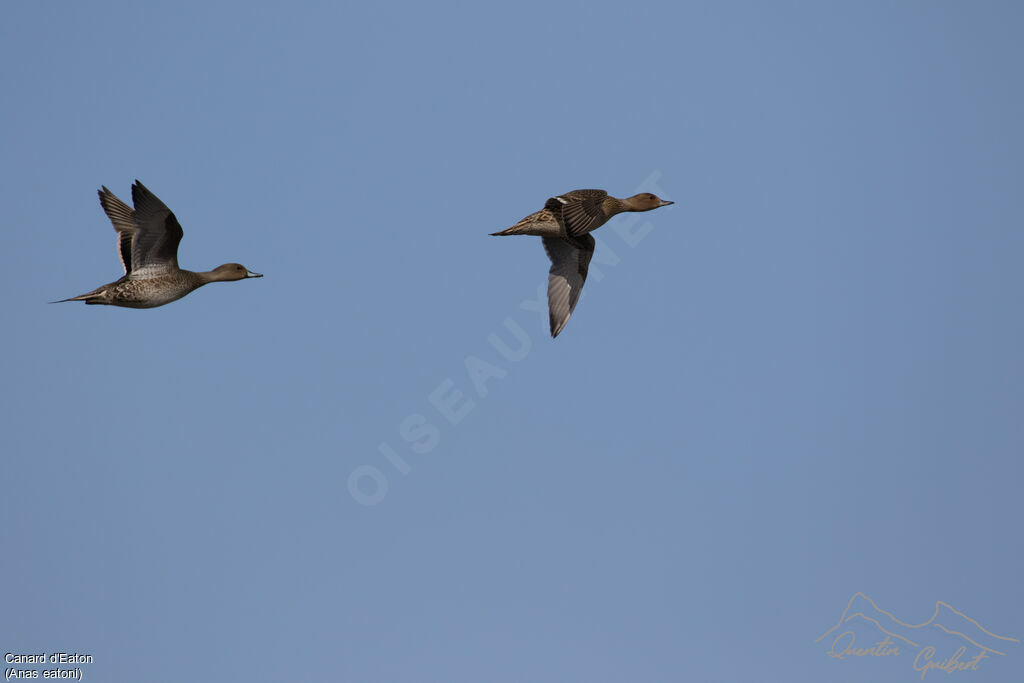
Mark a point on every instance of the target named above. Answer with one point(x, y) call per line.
point(645, 201)
point(232, 271)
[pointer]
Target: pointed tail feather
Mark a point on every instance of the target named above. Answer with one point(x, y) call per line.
point(90, 298)
point(520, 228)
point(541, 223)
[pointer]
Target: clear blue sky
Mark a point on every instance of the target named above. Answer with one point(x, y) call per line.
point(802, 381)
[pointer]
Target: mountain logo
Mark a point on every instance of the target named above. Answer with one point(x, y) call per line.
point(950, 641)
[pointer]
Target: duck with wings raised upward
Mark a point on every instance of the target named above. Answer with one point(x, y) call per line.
point(564, 225)
point(147, 243)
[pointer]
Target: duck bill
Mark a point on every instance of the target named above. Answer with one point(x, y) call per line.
point(665, 202)
point(249, 274)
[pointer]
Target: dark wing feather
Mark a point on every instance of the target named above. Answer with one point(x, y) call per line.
point(579, 211)
point(570, 260)
point(123, 219)
point(155, 247)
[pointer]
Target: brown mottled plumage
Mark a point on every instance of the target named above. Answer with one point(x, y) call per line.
point(564, 224)
point(148, 239)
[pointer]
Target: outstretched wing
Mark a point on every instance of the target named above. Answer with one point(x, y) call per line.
point(579, 211)
point(570, 260)
point(155, 247)
point(123, 219)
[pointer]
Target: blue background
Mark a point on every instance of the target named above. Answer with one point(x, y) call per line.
point(804, 381)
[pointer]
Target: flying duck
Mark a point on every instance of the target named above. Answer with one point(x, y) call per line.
point(564, 225)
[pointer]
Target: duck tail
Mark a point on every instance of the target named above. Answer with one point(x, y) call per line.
point(539, 223)
point(90, 298)
point(507, 231)
point(527, 226)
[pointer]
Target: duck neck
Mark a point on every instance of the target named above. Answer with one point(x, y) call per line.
point(207, 276)
point(614, 205)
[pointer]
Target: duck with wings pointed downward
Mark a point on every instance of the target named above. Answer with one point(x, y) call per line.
point(564, 225)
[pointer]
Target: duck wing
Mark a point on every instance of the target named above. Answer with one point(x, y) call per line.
point(579, 211)
point(570, 260)
point(155, 247)
point(123, 219)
